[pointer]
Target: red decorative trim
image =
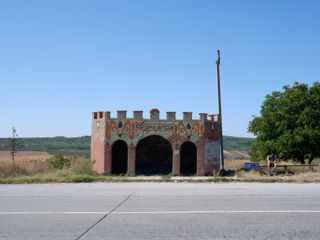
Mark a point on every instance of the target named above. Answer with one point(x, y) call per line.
point(111, 127)
point(182, 129)
point(128, 128)
point(154, 110)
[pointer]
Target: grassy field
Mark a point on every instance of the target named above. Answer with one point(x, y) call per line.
point(31, 167)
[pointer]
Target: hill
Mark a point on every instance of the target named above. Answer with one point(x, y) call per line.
point(67, 145)
point(236, 143)
point(81, 145)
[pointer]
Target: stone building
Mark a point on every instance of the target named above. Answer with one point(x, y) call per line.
point(155, 146)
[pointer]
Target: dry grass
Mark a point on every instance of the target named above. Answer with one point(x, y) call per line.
point(25, 163)
point(295, 174)
point(31, 167)
point(24, 155)
point(302, 177)
point(28, 163)
point(236, 155)
point(234, 164)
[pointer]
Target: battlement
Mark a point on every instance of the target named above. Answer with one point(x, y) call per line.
point(155, 116)
point(140, 145)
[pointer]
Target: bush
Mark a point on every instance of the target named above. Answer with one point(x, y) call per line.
point(58, 161)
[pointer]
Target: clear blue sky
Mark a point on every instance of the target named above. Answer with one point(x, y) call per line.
point(62, 60)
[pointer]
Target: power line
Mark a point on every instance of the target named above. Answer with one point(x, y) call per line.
point(104, 75)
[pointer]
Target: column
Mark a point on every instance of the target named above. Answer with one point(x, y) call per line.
point(200, 160)
point(108, 158)
point(176, 161)
point(131, 159)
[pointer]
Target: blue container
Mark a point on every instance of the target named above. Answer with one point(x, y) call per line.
point(249, 166)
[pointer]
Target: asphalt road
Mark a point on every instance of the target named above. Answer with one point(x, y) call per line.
point(160, 211)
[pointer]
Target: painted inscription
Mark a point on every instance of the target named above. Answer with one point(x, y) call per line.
point(155, 127)
point(130, 128)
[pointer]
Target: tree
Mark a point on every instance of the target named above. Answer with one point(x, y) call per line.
point(13, 144)
point(289, 125)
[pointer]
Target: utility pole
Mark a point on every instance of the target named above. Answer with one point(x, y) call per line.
point(220, 114)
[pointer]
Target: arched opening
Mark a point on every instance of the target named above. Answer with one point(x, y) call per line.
point(119, 157)
point(153, 156)
point(188, 158)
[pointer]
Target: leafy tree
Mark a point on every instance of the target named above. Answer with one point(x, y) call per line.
point(14, 144)
point(289, 125)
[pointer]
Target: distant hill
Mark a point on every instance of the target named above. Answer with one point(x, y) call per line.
point(81, 145)
point(236, 143)
point(68, 145)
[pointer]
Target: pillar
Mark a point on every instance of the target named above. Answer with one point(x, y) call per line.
point(108, 158)
point(200, 160)
point(176, 161)
point(131, 159)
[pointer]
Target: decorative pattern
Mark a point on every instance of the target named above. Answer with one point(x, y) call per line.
point(182, 129)
point(212, 129)
point(111, 127)
point(204, 133)
point(106, 129)
point(195, 130)
point(128, 128)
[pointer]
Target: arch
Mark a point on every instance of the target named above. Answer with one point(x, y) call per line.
point(119, 157)
point(188, 158)
point(153, 156)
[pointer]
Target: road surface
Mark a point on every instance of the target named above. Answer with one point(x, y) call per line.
point(160, 211)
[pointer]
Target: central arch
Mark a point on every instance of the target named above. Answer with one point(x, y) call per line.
point(153, 156)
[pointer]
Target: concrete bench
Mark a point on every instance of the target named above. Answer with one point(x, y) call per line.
point(285, 167)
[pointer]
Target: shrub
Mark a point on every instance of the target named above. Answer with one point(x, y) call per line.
point(58, 161)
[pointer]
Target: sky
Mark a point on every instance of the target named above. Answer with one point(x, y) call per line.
point(62, 60)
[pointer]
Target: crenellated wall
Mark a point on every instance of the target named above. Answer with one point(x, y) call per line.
point(203, 132)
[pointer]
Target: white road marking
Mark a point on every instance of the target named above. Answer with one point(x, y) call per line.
point(35, 213)
point(228, 211)
point(167, 212)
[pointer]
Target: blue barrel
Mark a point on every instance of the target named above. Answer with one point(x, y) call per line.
point(249, 166)
point(255, 164)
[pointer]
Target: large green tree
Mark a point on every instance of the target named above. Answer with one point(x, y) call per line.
point(289, 125)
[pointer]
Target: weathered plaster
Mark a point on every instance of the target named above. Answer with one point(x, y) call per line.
point(203, 132)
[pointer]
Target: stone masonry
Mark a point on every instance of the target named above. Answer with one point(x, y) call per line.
point(204, 133)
